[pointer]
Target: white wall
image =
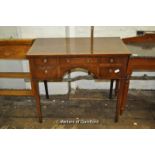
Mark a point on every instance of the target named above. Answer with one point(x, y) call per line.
point(41, 31)
point(73, 31)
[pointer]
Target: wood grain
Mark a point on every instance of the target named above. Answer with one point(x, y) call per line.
point(77, 46)
point(16, 92)
point(14, 75)
point(52, 58)
point(14, 49)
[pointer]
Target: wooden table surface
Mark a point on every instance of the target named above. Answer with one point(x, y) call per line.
point(142, 58)
point(52, 58)
point(77, 46)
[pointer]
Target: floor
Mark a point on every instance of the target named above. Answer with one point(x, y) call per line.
point(86, 109)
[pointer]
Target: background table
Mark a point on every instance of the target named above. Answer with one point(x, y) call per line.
point(142, 59)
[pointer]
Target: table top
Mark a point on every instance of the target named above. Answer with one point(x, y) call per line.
point(78, 46)
point(144, 49)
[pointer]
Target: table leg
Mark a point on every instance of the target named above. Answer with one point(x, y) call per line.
point(69, 84)
point(116, 87)
point(46, 89)
point(125, 96)
point(111, 88)
point(35, 89)
point(121, 83)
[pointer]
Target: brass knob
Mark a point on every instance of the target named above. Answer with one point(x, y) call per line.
point(7, 54)
point(111, 60)
point(68, 60)
point(45, 60)
point(46, 71)
point(110, 70)
point(88, 60)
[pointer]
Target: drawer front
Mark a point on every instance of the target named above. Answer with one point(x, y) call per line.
point(111, 60)
point(110, 72)
point(45, 61)
point(103, 67)
point(78, 61)
point(44, 68)
point(43, 73)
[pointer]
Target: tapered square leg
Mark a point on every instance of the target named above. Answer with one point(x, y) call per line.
point(119, 98)
point(118, 104)
point(69, 84)
point(116, 87)
point(35, 89)
point(125, 96)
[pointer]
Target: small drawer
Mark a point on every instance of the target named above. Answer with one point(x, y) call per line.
point(43, 73)
point(45, 61)
point(78, 60)
point(110, 72)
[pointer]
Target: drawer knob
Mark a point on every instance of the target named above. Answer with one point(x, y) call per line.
point(110, 70)
point(45, 60)
point(68, 60)
point(117, 70)
point(46, 71)
point(7, 54)
point(111, 60)
point(88, 61)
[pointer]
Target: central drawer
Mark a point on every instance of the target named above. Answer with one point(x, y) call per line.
point(92, 60)
point(82, 60)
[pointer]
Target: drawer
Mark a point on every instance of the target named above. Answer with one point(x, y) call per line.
point(45, 61)
point(110, 72)
point(43, 73)
point(78, 60)
point(111, 60)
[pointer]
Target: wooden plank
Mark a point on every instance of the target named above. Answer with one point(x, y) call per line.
point(15, 49)
point(8, 92)
point(16, 42)
point(14, 75)
point(140, 39)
